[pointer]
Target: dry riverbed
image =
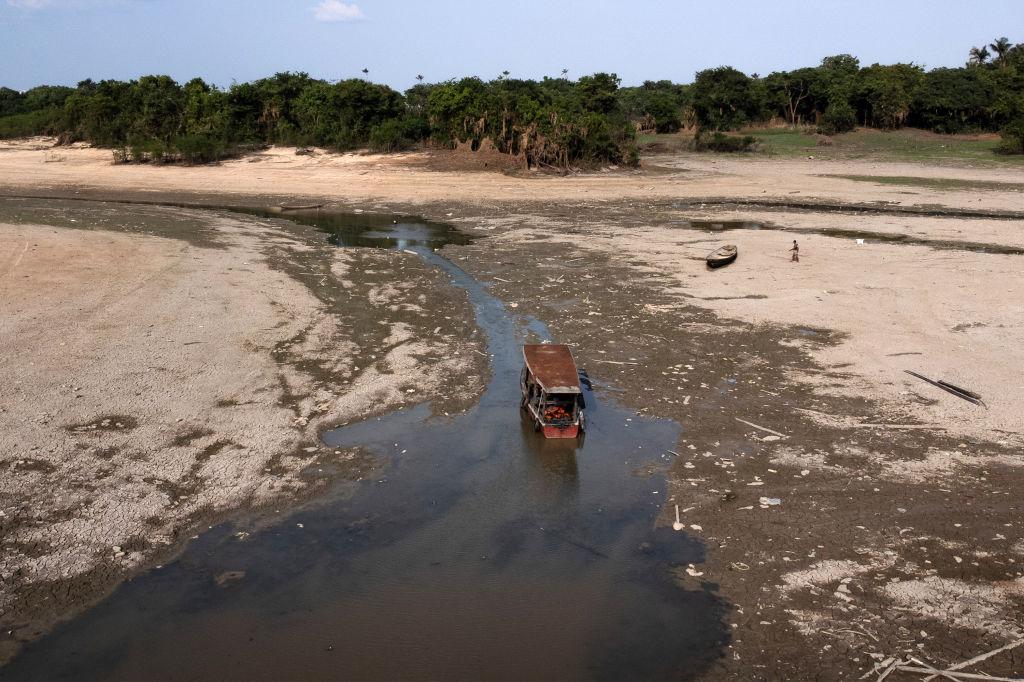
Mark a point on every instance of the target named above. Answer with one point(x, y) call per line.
point(852, 513)
point(165, 368)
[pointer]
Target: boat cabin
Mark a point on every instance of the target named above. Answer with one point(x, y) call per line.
point(551, 390)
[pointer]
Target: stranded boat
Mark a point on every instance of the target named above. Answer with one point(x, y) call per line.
point(551, 390)
point(722, 256)
point(303, 207)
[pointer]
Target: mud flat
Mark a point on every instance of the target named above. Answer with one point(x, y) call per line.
point(165, 368)
point(897, 527)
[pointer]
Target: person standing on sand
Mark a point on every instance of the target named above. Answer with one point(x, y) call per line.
point(796, 252)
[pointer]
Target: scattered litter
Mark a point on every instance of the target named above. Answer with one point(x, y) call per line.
point(738, 566)
point(677, 525)
point(770, 501)
point(694, 526)
point(761, 428)
point(693, 571)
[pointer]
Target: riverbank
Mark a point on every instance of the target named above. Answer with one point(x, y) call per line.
point(166, 368)
point(895, 499)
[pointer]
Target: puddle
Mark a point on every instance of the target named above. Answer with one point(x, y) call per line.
point(868, 236)
point(476, 550)
point(368, 229)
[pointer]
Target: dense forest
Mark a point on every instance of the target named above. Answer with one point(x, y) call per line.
point(556, 121)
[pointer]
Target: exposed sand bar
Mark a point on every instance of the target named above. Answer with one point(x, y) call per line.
point(408, 178)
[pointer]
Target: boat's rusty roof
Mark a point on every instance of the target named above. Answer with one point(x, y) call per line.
point(553, 367)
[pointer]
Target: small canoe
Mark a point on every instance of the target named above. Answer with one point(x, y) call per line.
point(722, 256)
point(306, 207)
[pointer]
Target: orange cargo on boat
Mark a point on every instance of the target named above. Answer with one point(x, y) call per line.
point(551, 390)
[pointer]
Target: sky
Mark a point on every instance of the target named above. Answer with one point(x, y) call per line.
point(61, 42)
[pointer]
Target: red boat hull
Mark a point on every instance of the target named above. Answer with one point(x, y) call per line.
point(561, 431)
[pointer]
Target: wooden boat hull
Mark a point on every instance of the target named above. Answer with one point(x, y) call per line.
point(722, 256)
point(308, 207)
point(561, 431)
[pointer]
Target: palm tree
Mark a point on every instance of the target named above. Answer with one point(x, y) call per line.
point(1001, 46)
point(565, 72)
point(979, 55)
point(419, 77)
point(366, 71)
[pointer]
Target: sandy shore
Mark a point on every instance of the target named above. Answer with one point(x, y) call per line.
point(408, 178)
point(898, 531)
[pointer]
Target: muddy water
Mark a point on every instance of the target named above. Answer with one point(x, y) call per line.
point(368, 229)
point(475, 550)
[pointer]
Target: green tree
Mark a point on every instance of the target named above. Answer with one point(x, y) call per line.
point(978, 56)
point(789, 92)
point(724, 98)
point(886, 93)
point(839, 117)
point(1000, 47)
point(953, 100)
point(1013, 137)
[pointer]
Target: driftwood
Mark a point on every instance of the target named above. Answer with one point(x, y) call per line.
point(961, 393)
point(955, 676)
point(953, 672)
point(978, 659)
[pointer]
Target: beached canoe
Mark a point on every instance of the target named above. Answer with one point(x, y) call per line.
point(722, 256)
point(305, 207)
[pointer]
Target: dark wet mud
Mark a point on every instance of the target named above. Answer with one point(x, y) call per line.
point(475, 549)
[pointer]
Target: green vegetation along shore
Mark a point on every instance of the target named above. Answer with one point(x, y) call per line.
point(552, 122)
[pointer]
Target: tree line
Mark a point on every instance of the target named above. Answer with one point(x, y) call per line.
point(985, 95)
point(555, 121)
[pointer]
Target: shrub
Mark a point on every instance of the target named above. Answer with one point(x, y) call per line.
point(720, 142)
point(839, 117)
point(389, 136)
point(1013, 137)
point(200, 148)
point(145, 150)
point(40, 122)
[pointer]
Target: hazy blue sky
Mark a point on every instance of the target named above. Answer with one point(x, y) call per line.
point(64, 41)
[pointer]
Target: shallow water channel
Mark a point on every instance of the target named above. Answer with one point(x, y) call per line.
point(476, 550)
